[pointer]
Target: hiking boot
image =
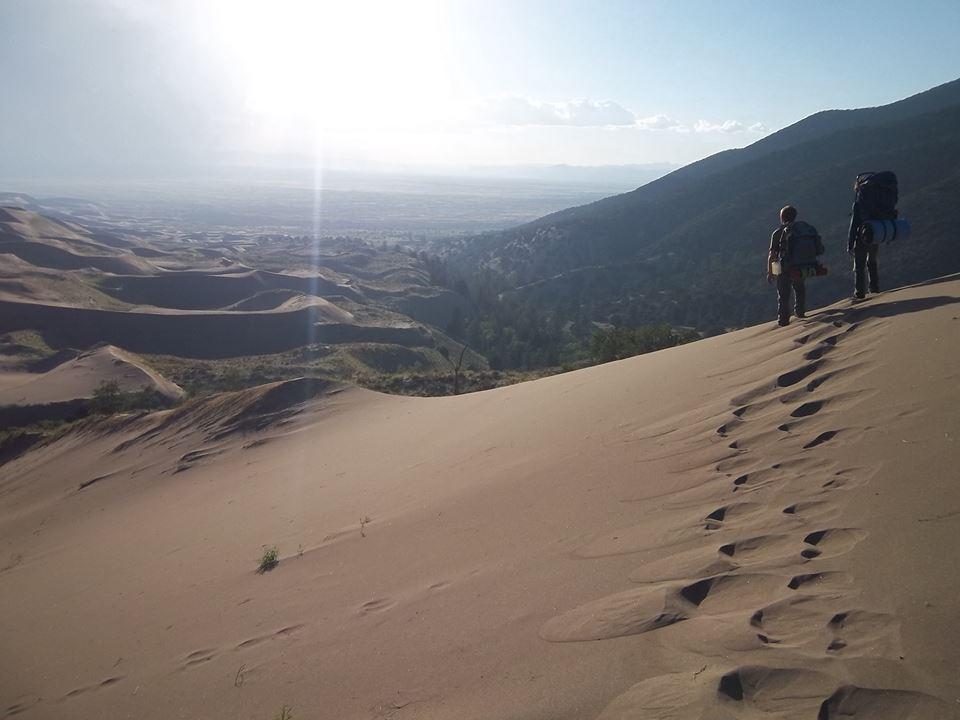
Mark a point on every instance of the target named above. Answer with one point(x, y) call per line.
point(783, 323)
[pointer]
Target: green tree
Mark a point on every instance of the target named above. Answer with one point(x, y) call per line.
point(107, 398)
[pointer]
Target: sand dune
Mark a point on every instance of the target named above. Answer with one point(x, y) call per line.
point(79, 377)
point(208, 291)
point(79, 287)
point(50, 244)
point(64, 383)
point(290, 300)
point(203, 334)
point(758, 525)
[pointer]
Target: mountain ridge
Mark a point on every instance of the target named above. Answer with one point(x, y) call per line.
point(716, 215)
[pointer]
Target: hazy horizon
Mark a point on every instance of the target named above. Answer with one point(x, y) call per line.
point(128, 88)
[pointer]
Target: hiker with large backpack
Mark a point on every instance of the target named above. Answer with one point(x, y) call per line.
point(795, 247)
point(874, 221)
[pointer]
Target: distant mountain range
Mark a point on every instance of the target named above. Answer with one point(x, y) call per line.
point(631, 175)
point(689, 248)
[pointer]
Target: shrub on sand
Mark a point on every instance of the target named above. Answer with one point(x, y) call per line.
point(269, 560)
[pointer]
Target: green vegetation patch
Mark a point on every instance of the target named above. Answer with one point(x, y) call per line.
point(619, 343)
point(269, 560)
point(26, 342)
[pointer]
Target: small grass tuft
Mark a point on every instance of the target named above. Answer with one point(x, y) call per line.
point(269, 560)
point(286, 713)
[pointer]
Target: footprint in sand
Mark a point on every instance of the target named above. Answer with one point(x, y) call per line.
point(376, 605)
point(784, 692)
point(699, 562)
point(626, 613)
point(835, 541)
point(821, 438)
point(768, 549)
point(808, 409)
point(664, 697)
point(823, 347)
point(729, 515)
point(848, 478)
point(793, 469)
point(282, 632)
point(797, 375)
point(849, 371)
point(729, 427)
point(795, 621)
point(88, 688)
point(820, 582)
point(757, 690)
point(757, 440)
point(734, 463)
point(21, 706)
point(811, 510)
point(883, 704)
point(730, 593)
point(812, 623)
point(757, 479)
point(855, 631)
point(644, 610)
point(198, 657)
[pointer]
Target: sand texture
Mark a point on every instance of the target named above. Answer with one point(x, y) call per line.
point(757, 525)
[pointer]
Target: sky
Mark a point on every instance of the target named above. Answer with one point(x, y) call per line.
point(167, 87)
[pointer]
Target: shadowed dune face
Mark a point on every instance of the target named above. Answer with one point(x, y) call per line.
point(202, 291)
point(56, 258)
point(583, 546)
point(46, 243)
point(200, 334)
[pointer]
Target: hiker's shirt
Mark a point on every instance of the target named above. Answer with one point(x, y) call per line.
point(776, 240)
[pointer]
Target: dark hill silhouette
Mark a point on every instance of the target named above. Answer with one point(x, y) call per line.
point(689, 248)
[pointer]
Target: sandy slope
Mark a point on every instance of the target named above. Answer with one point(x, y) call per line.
point(47, 243)
point(758, 525)
point(79, 377)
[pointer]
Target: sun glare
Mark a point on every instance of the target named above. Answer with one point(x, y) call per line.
point(357, 65)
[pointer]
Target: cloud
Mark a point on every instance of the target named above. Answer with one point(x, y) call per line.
point(575, 113)
point(589, 113)
point(658, 122)
point(728, 127)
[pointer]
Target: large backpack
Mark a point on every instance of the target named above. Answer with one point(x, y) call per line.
point(876, 195)
point(799, 245)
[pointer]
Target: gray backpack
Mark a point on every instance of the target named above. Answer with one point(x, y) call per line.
point(800, 245)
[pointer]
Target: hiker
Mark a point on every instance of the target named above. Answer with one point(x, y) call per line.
point(794, 248)
point(875, 198)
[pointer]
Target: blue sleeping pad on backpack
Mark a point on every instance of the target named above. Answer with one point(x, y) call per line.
point(878, 232)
